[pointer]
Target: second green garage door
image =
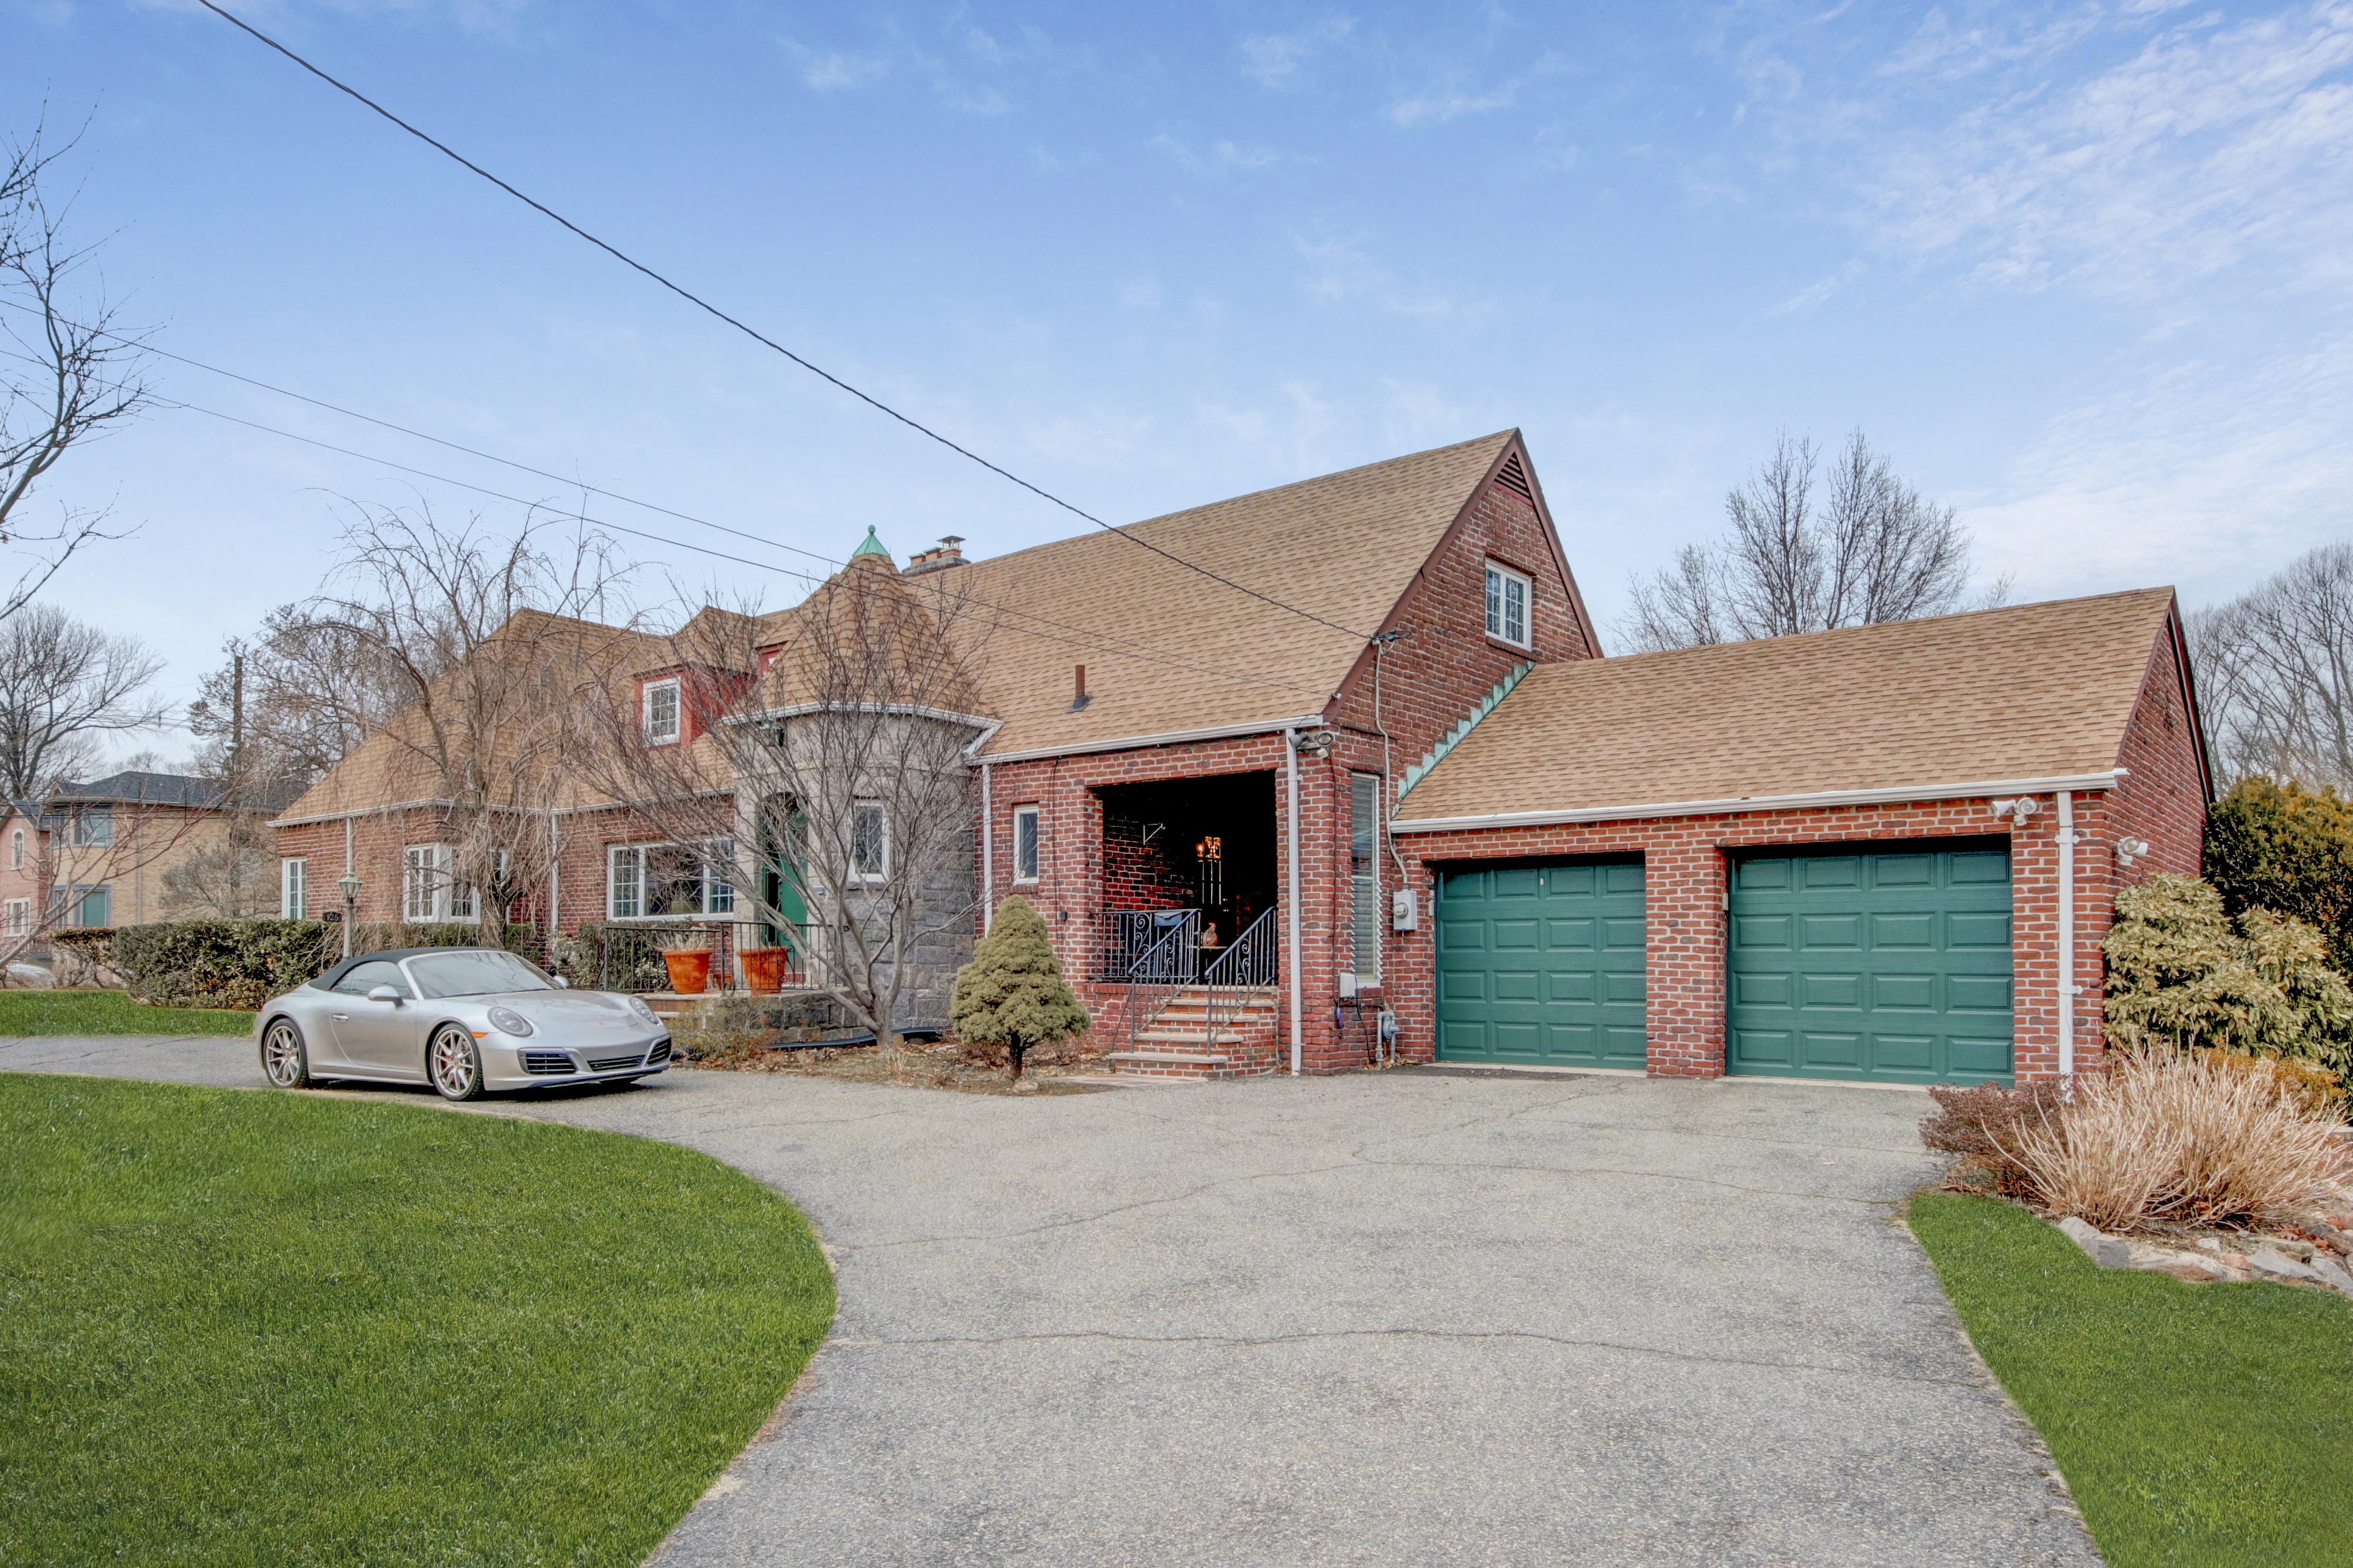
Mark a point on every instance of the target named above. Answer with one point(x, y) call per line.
point(1542, 964)
point(1891, 967)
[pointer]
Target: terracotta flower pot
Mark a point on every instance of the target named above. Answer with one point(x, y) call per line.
point(689, 971)
point(765, 968)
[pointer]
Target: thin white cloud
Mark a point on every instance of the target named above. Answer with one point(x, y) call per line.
point(1273, 59)
point(1221, 155)
point(1438, 107)
point(1339, 271)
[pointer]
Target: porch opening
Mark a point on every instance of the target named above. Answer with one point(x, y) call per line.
point(1204, 845)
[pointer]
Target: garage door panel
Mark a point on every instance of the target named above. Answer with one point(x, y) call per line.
point(1894, 965)
point(1543, 963)
point(1911, 928)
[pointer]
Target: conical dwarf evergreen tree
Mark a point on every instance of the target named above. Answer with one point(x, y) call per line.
point(1012, 993)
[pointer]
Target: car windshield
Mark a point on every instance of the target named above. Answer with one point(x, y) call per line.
point(475, 972)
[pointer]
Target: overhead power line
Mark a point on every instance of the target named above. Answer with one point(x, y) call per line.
point(701, 304)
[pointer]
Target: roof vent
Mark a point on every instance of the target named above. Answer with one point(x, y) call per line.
point(1514, 477)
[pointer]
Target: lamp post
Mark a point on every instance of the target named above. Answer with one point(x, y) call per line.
point(349, 883)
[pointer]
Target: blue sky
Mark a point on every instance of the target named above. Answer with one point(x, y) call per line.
point(2083, 269)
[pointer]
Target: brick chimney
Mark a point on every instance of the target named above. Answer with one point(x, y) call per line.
point(947, 552)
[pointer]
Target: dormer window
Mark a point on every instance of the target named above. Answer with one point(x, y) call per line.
point(660, 710)
point(1507, 605)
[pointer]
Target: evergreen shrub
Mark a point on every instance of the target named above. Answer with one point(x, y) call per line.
point(1012, 993)
point(2289, 849)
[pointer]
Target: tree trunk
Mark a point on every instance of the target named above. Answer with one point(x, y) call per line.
point(1014, 1048)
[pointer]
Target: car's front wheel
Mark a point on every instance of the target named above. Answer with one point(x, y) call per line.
point(454, 1064)
point(285, 1061)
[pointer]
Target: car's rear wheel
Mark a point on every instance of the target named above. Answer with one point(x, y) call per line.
point(454, 1064)
point(285, 1060)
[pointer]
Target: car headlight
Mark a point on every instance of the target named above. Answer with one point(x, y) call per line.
point(506, 1020)
point(638, 1005)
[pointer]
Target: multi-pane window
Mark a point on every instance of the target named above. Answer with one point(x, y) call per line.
point(661, 711)
point(429, 888)
point(92, 826)
point(293, 887)
point(645, 881)
point(1025, 843)
point(1507, 604)
point(870, 841)
point(17, 918)
point(84, 906)
point(1365, 874)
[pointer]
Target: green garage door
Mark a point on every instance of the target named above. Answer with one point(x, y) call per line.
point(1894, 967)
point(1541, 963)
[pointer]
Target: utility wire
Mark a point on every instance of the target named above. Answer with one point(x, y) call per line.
point(704, 305)
point(996, 622)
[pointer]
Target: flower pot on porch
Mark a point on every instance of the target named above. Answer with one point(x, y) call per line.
point(689, 971)
point(766, 968)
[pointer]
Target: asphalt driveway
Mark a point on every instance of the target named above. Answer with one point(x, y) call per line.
point(1388, 1319)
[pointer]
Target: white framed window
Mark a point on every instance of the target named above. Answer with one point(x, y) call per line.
point(1507, 604)
point(16, 850)
point(651, 881)
point(660, 710)
point(870, 840)
point(17, 916)
point(429, 888)
point(1025, 843)
point(293, 887)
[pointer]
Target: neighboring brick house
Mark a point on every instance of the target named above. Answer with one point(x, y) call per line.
point(105, 849)
point(1190, 775)
point(23, 875)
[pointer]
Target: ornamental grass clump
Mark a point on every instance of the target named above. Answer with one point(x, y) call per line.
point(2174, 1138)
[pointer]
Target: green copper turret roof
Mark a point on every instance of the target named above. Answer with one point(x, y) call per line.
point(872, 546)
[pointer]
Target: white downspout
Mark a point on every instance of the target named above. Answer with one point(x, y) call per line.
point(1291, 921)
point(2066, 933)
point(987, 854)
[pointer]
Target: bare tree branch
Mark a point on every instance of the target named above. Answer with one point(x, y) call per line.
point(63, 685)
point(2276, 673)
point(1799, 557)
point(71, 376)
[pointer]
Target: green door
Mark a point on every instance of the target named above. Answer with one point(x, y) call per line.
point(1541, 963)
point(1888, 967)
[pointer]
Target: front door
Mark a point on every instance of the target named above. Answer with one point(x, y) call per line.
point(383, 1038)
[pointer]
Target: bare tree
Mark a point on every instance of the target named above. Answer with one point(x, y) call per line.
point(295, 698)
point(829, 779)
point(1806, 556)
point(228, 881)
point(2276, 673)
point(488, 643)
point(74, 372)
point(63, 685)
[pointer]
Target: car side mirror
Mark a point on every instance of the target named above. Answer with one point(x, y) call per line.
point(562, 983)
point(384, 993)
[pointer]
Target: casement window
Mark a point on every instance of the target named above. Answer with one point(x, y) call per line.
point(16, 918)
point(16, 850)
point(651, 882)
point(91, 826)
point(1507, 604)
point(870, 841)
point(293, 887)
point(1365, 874)
point(1025, 843)
point(429, 888)
point(660, 710)
point(86, 905)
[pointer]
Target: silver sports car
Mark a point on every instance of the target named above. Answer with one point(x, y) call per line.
point(463, 1019)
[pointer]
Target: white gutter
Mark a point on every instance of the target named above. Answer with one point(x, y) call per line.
point(1761, 802)
point(1174, 738)
point(987, 854)
point(1291, 862)
point(2067, 935)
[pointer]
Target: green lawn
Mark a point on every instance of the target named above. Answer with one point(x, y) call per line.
point(2195, 1424)
point(240, 1327)
point(110, 1013)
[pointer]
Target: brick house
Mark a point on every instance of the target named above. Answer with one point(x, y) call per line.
point(1360, 788)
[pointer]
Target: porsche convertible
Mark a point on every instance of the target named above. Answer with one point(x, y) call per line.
point(466, 1020)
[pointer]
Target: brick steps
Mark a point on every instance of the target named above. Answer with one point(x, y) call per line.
point(1177, 1041)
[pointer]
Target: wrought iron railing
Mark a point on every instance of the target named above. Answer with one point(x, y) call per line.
point(1247, 966)
point(1128, 935)
point(1166, 967)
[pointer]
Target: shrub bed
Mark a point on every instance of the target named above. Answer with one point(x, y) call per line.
point(243, 963)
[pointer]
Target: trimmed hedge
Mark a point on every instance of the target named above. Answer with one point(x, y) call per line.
point(243, 963)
